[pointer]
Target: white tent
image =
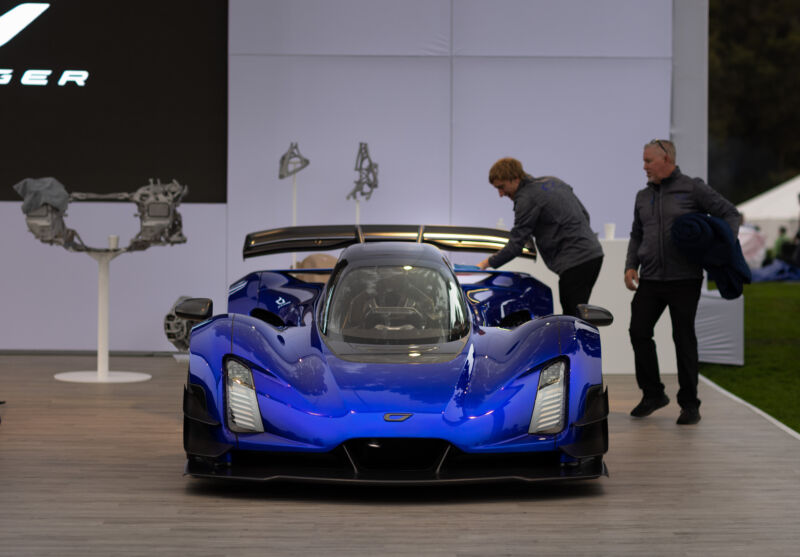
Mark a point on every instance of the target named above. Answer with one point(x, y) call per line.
point(774, 208)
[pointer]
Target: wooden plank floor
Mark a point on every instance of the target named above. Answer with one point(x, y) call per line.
point(92, 469)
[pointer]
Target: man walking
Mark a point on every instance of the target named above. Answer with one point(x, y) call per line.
point(662, 277)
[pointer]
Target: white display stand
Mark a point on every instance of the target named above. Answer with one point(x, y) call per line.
point(609, 292)
point(719, 323)
point(720, 328)
point(102, 374)
point(294, 214)
point(291, 163)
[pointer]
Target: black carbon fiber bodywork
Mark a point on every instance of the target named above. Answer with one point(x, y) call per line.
point(397, 461)
point(593, 436)
point(198, 427)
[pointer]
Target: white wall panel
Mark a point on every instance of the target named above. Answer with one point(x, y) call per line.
point(49, 295)
point(595, 28)
point(439, 89)
point(583, 120)
point(690, 86)
point(328, 105)
point(609, 292)
point(339, 27)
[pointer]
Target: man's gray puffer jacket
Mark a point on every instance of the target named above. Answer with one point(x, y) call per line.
point(547, 209)
point(657, 206)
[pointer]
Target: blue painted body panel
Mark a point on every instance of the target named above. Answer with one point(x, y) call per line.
point(312, 400)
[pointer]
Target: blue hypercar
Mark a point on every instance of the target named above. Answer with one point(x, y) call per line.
point(399, 368)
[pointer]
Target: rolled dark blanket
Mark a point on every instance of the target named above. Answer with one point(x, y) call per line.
point(695, 237)
point(709, 242)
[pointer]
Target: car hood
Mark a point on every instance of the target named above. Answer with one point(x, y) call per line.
point(299, 371)
point(370, 387)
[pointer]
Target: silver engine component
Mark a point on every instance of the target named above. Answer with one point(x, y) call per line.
point(47, 224)
point(177, 329)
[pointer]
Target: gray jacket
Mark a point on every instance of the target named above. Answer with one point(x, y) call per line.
point(657, 206)
point(547, 209)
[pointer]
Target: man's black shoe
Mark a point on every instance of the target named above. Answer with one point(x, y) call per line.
point(649, 405)
point(689, 416)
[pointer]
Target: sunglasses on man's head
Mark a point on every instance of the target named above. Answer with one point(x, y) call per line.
point(658, 142)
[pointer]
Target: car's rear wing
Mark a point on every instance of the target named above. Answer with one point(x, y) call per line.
point(332, 237)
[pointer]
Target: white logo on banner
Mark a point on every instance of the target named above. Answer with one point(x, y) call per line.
point(11, 23)
point(17, 19)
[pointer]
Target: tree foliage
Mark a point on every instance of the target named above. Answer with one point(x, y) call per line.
point(754, 95)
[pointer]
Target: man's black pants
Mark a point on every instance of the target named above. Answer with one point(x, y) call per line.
point(575, 285)
point(681, 296)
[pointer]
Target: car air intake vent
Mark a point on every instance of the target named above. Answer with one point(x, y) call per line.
point(515, 319)
point(506, 464)
point(396, 454)
point(267, 463)
point(268, 317)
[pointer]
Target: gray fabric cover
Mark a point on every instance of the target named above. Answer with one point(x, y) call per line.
point(36, 192)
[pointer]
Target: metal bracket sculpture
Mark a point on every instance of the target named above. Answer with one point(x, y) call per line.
point(45, 202)
point(292, 162)
point(160, 222)
point(367, 174)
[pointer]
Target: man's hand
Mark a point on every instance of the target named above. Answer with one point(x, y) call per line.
point(483, 265)
point(631, 279)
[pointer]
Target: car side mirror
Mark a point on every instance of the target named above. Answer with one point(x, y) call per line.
point(195, 309)
point(597, 316)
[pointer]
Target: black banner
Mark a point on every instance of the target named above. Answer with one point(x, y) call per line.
point(105, 95)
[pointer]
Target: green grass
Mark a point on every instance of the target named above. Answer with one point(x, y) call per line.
point(770, 378)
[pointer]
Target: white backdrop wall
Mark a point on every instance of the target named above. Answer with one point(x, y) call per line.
point(439, 89)
point(49, 295)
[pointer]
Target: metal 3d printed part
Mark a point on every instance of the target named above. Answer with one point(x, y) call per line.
point(177, 329)
point(45, 203)
point(292, 162)
point(367, 174)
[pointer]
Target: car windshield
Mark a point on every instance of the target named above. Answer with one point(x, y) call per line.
point(397, 305)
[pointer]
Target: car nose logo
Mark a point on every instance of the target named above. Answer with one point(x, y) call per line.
point(397, 417)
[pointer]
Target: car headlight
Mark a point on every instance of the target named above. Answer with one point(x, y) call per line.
point(243, 413)
point(548, 410)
